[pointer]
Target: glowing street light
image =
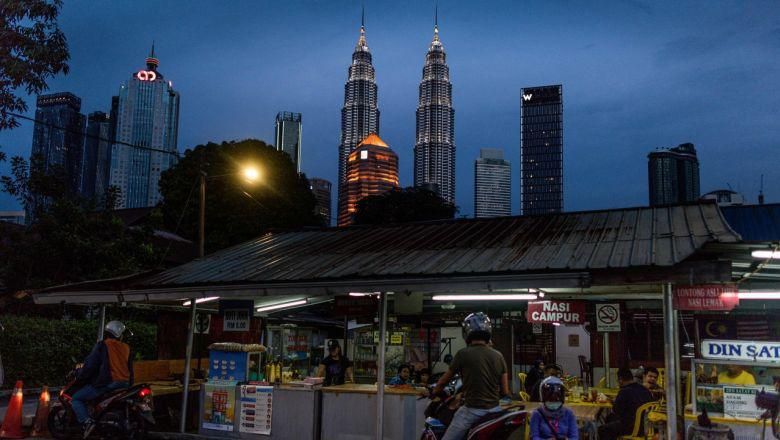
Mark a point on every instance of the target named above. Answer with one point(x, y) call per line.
point(251, 174)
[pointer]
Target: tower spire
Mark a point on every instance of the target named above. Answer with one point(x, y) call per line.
point(436, 22)
point(151, 61)
point(361, 44)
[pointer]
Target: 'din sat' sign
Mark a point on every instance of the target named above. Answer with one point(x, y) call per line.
point(741, 350)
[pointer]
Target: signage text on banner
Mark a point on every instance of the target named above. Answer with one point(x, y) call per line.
point(766, 351)
point(608, 317)
point(706, 297)
point(346, 305)
point(563, 312)
point(740, 402)
point(256, 409)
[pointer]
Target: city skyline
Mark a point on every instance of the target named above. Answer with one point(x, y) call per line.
point(655, 98)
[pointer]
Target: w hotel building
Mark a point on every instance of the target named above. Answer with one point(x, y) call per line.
point(372, 169)
point(541, 150)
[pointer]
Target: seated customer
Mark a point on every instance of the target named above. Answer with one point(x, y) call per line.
point(535, 374)
point(650, 381)
point(423, 377)
point(404, 376)
point(630, 397)
point(549, 371)
point(736, 375)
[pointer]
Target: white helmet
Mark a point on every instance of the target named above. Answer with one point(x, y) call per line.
point(116, 328)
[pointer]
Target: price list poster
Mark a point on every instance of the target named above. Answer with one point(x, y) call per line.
point(256, 406)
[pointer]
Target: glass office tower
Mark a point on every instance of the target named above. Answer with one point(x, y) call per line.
point(288, 136)
point(492, 184)
point(541, 150)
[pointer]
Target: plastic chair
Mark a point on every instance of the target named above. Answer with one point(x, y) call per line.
point(524, 397)
point(641, 413)
point(522, 377)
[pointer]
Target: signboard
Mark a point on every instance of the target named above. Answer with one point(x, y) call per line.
point(202, 323)
point(396, 338)
point(608, 317)
point(236, 314)
point(706, 297)
point(219, 405)
point(228, 365)
point(765, 351)
point(146, 75)
point(562, 312)
point(346, 305)
point(740, 402)
point(256, 409)
point(536, 329)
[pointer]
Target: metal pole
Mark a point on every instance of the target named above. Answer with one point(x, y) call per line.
point(607, 375)
point(670, 334)
point(102, 326)
point(202, 216)
point(380, 374)
point(187, 361)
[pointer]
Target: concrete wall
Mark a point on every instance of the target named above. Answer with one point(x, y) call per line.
point(566, 355)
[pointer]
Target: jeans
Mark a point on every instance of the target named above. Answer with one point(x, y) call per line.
point(464, 419)
point(87, 393)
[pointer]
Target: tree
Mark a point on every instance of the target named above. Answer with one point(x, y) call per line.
point(32, 49)
point(236, 210)
point(403, 205)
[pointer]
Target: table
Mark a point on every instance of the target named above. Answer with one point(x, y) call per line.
point(588, 414)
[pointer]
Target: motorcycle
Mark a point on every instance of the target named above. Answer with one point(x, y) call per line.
point(494, 426)
point(125, 413)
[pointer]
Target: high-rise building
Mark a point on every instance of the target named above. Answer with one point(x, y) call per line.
point(58, 136)
point(321, 189)
point(541, 150)
point(97, 155)
point(288, 136)
point(673, 175)
point(360, 114)
point(492, 184)
point(372, 169)
point(434, 148)
point(16, 217)
point(148, 119)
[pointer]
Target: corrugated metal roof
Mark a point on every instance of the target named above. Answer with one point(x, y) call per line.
point(578, 241)
point(755, 222)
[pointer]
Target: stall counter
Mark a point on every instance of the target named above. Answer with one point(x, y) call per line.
point(349, 413)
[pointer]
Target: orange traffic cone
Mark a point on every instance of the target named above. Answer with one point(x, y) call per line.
point(41, 423)
point(12, 424)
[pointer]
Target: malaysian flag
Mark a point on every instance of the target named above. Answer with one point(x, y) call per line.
point(753, 329)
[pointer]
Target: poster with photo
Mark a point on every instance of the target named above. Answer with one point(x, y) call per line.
point(219, 405)
point(256, 409)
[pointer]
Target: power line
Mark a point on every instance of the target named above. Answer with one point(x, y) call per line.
point(86, 135)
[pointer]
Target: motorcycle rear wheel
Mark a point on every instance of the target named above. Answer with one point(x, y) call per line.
point(61, 423)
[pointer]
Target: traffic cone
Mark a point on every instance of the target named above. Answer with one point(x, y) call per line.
point(41, 423)
point(12, 424)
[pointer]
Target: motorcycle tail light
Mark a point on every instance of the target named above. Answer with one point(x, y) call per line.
point(143, 392)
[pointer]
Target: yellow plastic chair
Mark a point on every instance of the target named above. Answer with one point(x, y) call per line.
point(641, 414)
point(522, 377)
point(661, 377)
point(524, 397)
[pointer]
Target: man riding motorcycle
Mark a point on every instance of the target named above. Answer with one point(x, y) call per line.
point(484, 373)
point(108, 367)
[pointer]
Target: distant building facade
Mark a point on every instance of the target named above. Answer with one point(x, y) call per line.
point(541, 150)
point(725, 197)
point(288, 136)
point(97, 155)
point(322, 190)
point(58, 136)
point(147, 116)
point(673, 175)
point(492, 184)
point(372, 169)
point(16, 217)
point(434, 148)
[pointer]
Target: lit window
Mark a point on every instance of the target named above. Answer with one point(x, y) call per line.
point(364, 154)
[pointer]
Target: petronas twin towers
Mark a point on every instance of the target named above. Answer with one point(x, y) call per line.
point(434, 149)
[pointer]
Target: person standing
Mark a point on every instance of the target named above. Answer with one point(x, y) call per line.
point(631, 396)
point(108, 367)
point(534, 376)
point(335, 368)
point(552, 420)
point(483, 372)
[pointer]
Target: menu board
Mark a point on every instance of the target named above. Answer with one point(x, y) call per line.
point(255, 412)
point(219, 405)
point(228, 365)
point(740, 402)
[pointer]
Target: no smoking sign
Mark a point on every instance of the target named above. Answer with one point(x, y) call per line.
point(608, 317)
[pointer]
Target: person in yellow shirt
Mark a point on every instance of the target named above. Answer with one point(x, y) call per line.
point(736, 375)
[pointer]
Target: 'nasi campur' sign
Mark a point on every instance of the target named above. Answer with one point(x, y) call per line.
point(562, 312)
point(741, 350)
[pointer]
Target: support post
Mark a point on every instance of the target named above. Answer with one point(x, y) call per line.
point(187, 361)
point(380, 373)
point(102, 325)
point(671, 362)
point(202, 216)
point(607, 375)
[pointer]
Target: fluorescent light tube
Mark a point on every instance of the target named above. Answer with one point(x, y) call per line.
point(766, 255)
point(282, 305)
point(759, 295)
point(201, 300)
point(486, 297)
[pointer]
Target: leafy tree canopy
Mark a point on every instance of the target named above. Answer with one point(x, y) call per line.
point(236, 210)
point(32, 49)
point(403, 205)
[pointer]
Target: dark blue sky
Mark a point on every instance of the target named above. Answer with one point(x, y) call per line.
point(636, 76)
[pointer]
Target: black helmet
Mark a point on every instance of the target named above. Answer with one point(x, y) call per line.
point(477, 326)
point(553, 390)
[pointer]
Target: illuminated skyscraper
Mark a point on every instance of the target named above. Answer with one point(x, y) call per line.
point(541, 150)
point(321, 189)
point(147, 116)
point(360, 114)
point(372, 169)
point(492, 184)
point(288, 136)
point(434, 149)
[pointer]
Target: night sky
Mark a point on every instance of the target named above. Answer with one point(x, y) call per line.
point(636, 76)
